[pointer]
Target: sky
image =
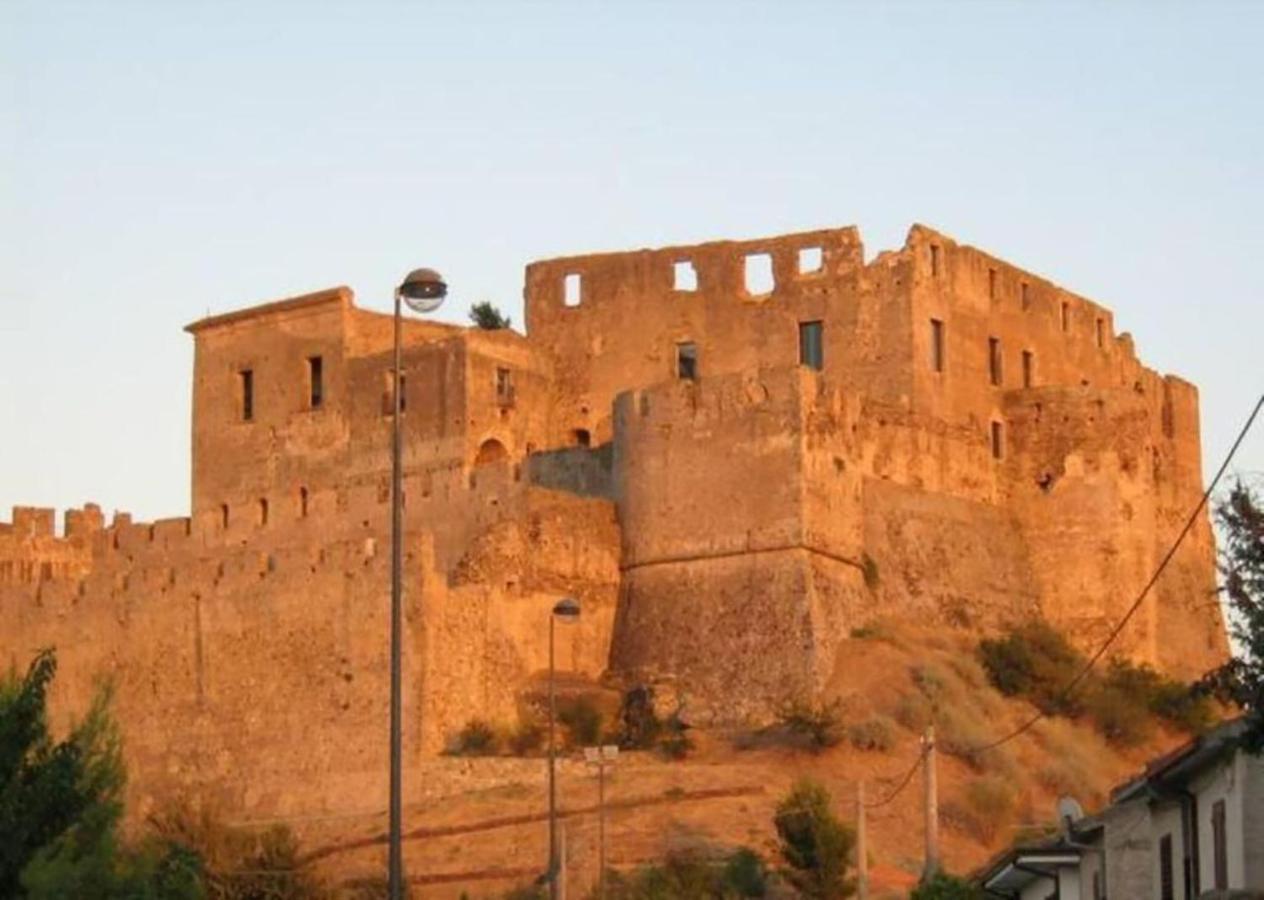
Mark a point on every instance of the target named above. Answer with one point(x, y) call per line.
point(159, 161)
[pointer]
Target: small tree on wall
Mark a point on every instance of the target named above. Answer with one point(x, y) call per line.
point(488, 317)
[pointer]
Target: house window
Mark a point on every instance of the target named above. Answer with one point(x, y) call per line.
point(223, 515)
point(247, 379)
point(684, 276)
point(1023, 296)
point(1219, 846)
point(810, 260)
point(812, 345)
point(263, 511)
point(991, 284)
point(572, 290)
point(504, 387)
point(687, 361)
point(934, 259)
point(936, 345)
point(581, 437)
point(302, 502)
point(994, 360)
point(1029, 368)
point(1066, 316)
point(1166, 886)
point(315, 382)
point(1101, 332)
point(998, 440)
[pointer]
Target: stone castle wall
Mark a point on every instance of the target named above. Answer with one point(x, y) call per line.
point(725, 531)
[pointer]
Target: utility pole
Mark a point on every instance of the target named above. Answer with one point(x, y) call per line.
point(862, 850)
point(561, 861)
point(599, 756)
point(932, 805)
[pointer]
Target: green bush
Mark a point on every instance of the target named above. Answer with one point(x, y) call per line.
point(526, 738)
point(477, 738)
point(819, 724)
point(685, 876)
point(876, 734)
point(984, 809)
point(814, 844)
point(1119, 716)
point(1036, 662)
point(675, 742)
point(942, 886)
point(582, 721)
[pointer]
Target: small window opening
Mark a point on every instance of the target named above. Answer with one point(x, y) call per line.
point(247, 378)
point(759, 278)
point(998, 440)
point(687, 361)
point(1029, 368)
point(812, 345)
point(994, 360)
point(223, 515)
point(1024, 295)
point(937, 345)
point(490, 451)
point(1167, 888)
point(1066, 316)
point(1219, 847)
point(388, 393)
point(684, 276)
point(504, 387)
point(315, 382)
point(934, 259)
point(991, 284)
point(302, 502)
point(1101, 332)
point(581, 437)
point(811, 259)
point(572, 289)
point(263, 511)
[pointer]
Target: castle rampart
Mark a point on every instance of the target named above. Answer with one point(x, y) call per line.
point(730, 467)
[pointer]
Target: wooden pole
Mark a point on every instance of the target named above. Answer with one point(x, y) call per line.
point(862, 849)
point(601, 824)
point(932, 805)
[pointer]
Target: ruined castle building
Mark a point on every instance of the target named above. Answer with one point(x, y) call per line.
point(732, 453)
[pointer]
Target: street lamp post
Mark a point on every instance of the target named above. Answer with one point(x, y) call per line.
point(423, 290)
point(566, 609)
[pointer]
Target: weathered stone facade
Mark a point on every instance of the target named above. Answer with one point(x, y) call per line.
point(729, 481)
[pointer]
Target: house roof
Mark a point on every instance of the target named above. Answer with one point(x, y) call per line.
point(1174, 768)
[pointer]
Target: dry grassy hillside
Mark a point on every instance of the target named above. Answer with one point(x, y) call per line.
point(481, 830)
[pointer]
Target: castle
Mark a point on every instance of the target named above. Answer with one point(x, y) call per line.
point(732, 454)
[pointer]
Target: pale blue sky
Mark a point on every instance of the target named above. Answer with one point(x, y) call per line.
point(159, 160)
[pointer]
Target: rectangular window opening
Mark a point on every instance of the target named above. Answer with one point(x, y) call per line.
point(572, 289)
point(1101, 332)
point(991, 284)
point(302, 502)
point(1029, 368)
point(812, 345)
point(937, 359)
point(687, 361)
point(315, 382)
point(934, 259)
point(388, 393)
point(994, 360)
point(1166, 884)
point(811, 259)
point(758, 274)
point(1066, 316)
point(504, 387)
point(263, 511)
point(1024, 295)
point(684, 276)
point(998, 440)
point(247, 378)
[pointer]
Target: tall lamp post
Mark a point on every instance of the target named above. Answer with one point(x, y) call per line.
point(566, 609)
point(423, 290)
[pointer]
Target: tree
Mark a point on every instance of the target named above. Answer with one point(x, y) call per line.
point(60, 805)
point(1241, 680)
point(488, 317)
point(815, 845)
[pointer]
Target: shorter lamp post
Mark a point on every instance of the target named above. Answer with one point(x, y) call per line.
point(600, 757)
point(566, 609)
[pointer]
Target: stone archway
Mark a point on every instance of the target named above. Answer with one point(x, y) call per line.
point(490, 451)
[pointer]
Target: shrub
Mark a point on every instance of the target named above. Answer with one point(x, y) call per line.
point(1119, 716)
point(526, 737)
point(876, 733)
point(582, 721)
point(984, 809)
point(1178, 704)
point(1036, 662)
point(931, 682)
point(488, 317)
point(477, 738)
point(942, 886)
point(675, 741)
point(639, 725)
point(815, 845)
point(914, 712)
point(818, 723)
point(682, 875)
point(746, 874)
